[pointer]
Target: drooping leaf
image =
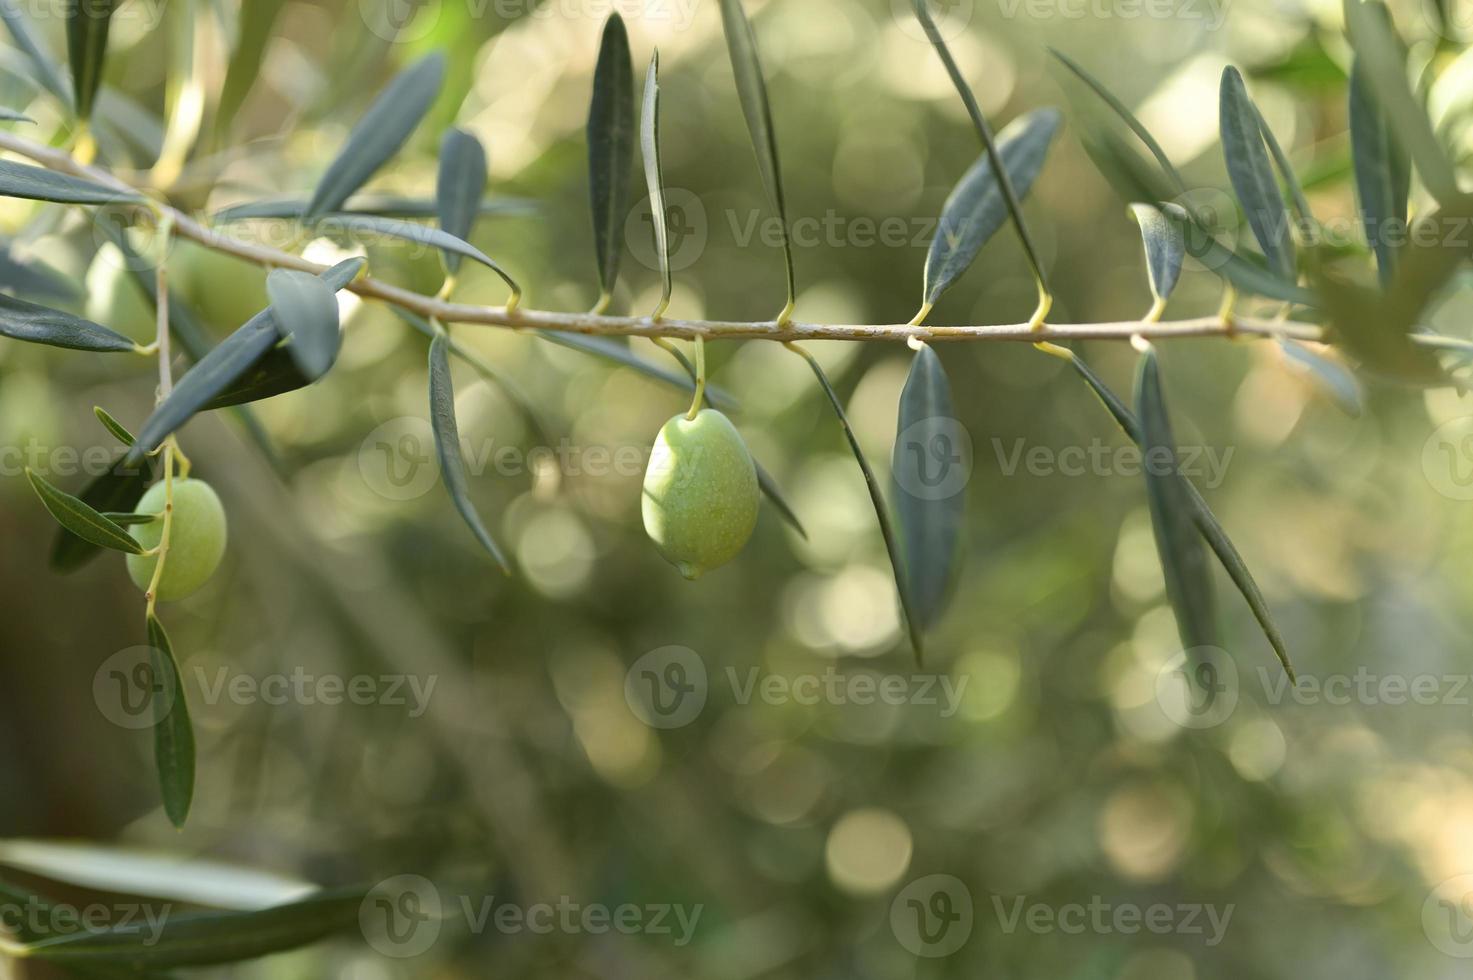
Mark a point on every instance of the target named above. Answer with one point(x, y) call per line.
point(118, 430)
point(1379, 53)
point(930, 487)
point(222, 367)
point(39, 184)
point(447, 443)
point(461, 183)
point(882, 512)
point(611, 134)
point(1252, 175)
point(382, 205)
point(253, 33)
point(649, 143)
point(81, 519)
point(977, 207)
point(118, 489)
point(173, 736)
point(741, 45)
point(383, 129)
point(87, 23)
point(37, 324)
point(1183, 560)
point(305, 310)
point(1165, 247)
point(48, 72)
point(1383, 175)
point(359, 226)
point(1332, 377)
point(274, 373)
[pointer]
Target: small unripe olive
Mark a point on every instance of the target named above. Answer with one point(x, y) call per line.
point(700, 492)
point(196, 538)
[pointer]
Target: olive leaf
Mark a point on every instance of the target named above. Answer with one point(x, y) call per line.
point(1165, 246)
point(1379, 53)
point(222, 367)
point(118, 430)
point(12, 115)
point(34, 278)
point(459, 187)
point(253, 33)
point(117, 490)
point(649, 143)
point(1252, 175)
point(203, 938)
point(1332, 377)
point(1244, 272)
point(275, 372)
point(741, 45)
point(1383, 174)
point(129, 519)
point(382, 205)
point(612, 350)
point(48, 72)
point(447, 444)
point(611, 134)
point(383, 129)
point(39, 184)
point(173, 736)
point(1183, 560)
point(87, 23)
point(356, 225)
point(82, 519)
point(305, 310)
point(977, 207)
point(1286, 172)
point(984, 133)
point(882, 512)
point(37, 324)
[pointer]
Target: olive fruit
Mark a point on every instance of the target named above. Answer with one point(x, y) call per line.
point(196, 538)
point(700, 492)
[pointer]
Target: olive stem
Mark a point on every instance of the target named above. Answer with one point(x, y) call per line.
point(700, 392)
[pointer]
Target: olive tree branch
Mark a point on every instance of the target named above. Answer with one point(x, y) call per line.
point(435, 307)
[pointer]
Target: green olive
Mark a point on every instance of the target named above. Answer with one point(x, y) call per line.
point(196, 538)
point(223, 289)
point(700, 492)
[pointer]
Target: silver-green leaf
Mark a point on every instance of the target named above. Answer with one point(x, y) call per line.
point(459, 187)
point(611, 134)
point(39, 184)
point(305, 310)
point(37, 324)
point(1383, 174)
point(48, 72)
point(368, 225)
point(87, 23)
point(447, 444)
point(1252, 174)
point(1165, 246)
point(649, 143)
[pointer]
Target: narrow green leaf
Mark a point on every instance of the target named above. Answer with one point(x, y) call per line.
point(382, 205)
point(930, 474)
point(1378, 51)
point(275, 372)
point(977, 207)
point(39, 184)
point(253, 33)
point(1383, 174)
point(1202, 517)
point(611, 350)
point(205, 938)
point(48, 72)
point(741, 45)
point(447, 443)
point(129, 519)
point(366, 225)
point(383, 129)
point(36, 324)
point(1183, 560)
point(1252, 175)
point(649, 143)
point(1244, 273)
point(461, 183)
point(87, 24)
point(611, 134)
point(882, 512)
point(118, 489)
point(1332, 377)
point(984, 132)
point(119, 431)
point(26, 276)
point(305, 309)
point(173, 736)
point(1286, 172)
point(81, 519)
point(1165, 246)
point(222, 367)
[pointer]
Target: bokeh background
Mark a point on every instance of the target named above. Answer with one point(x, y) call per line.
point(1323, 825)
